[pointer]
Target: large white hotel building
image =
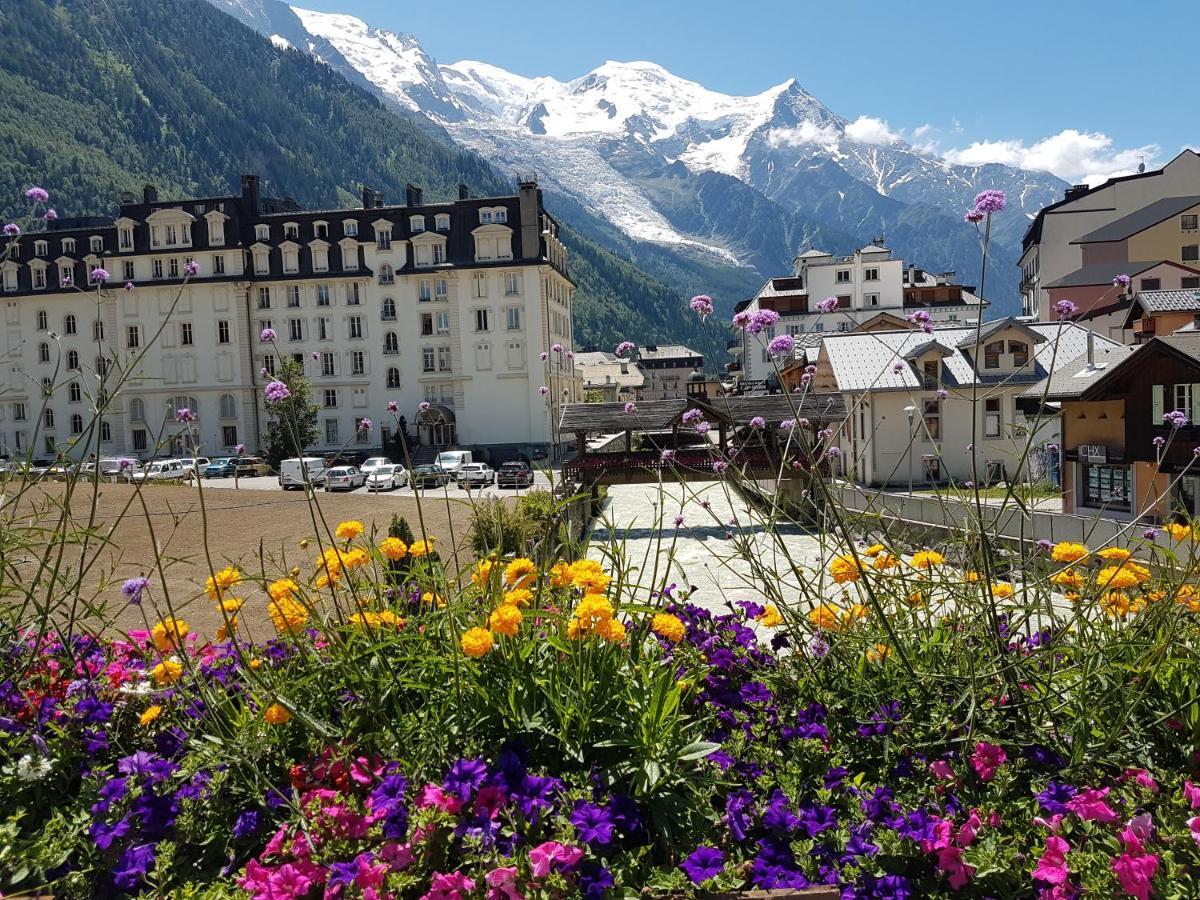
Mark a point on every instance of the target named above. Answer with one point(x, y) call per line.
point(447, 303)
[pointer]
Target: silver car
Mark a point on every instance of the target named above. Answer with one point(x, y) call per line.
point(344, 478)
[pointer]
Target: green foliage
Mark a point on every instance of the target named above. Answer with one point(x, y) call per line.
point(399, 528)
point(292, 424)
point(498, 527)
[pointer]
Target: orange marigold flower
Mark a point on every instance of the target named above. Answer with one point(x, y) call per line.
point(611, 630)
point(287, 615)
point(477, 643)
point(1002, 589)
point(589, 576)
point(1178, 530)
point(421, 549)
point(393, 549)
point(277, 714)
point(1114, 554)
point(167, 672)
point(483, 573)
point(1069, 578)
point(217, 584)
point(668, 627)
point(348, 531)
point(1119, 578)
point(878, 653)
point(519, 597)
point(151, 713)
point(429, 598)
point(506, 620)
point(845, 568)
point(520, 573)
point(885, 561)
point(826, 616)
point(874, 550)
point(1068, 552)
point(169, 634)
point(770, 617)
point(855, 613)
point(560, 575)
point(283, 588)
point(927, 559)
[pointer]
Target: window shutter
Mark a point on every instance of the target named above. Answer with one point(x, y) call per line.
point(1194, 413)
point(1156, 404)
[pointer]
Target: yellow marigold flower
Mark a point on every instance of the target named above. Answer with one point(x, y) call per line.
point(256, 664)
point(592, 609)
point(217, 584)
point(477, 642)
point(1115, 604)
point(1068, 552)
point(1071, 596)
point(845, 568)
point(287, 615)
point(669, 627)
point(885, 561)
point(589, 576)
point(873, 550)
point(560, 575)
point(169, 634)
point(916, 599)
point(356, 558)
point(1178, 530)
point(1114, 554)
point(429, 598)
point(971, 576)
point(878, 653)
point(520, 573)
point(612, 630)
point(231, 604)
point(573, 630)
point(1002, 589)
point(770, 616)
point(855, 613)
point(283, 588)
point(420, 549)
point(323, 580)
point(224, 632)
point(151, 713)
point(826, 616)
point(1069, 578)
point(277, 714)
point(927, 559)
point(482, 575)
point(348, 531)
point(393, 549)
point(1117, 578)
point(167, 672)
point(519, 597)
point(506, 620)
point(366, 619)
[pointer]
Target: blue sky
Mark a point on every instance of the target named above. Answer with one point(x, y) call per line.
point(1056, 84)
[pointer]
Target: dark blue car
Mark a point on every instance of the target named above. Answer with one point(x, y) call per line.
point(220, 468)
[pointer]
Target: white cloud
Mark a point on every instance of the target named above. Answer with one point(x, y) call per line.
point(921, 130)
point(804, 133)
point(1077, 156)
point(870, 130)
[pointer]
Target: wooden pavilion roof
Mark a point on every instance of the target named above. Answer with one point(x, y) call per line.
point(663, 415)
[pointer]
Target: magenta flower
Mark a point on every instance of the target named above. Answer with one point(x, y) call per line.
point(678, 521)
point(941, 770)
point(543, 390)
point(365, 424)
point(557, 348)
point(987, 759)
point(702, 427)
point(1090, 806)
point(37, 195)
point(129, 285)
point(989, 201)
point(98, 275)
point(668, 456)
point(719, 466)
point(828, 305)
point(392, 406)
point(783, 345)
point(740, 320)
point(553, 856)
point(1121, 281)
point(1052, 867)
point(958, 873)
point(423, 405)
point(703, 305)
point(919, 317)
point(942, 393)
point(184, 415)
point(191, 267)
point(1065, 309)
point(1191, 794)
point(239, 449)
point(276, 392)
point(268, 335)
point(898, 368)
point(12, 229)
point(630, 408)
point(973, 216)
point(758, 423)
point(1135, 872)
point(51, 215)
point(625, 348)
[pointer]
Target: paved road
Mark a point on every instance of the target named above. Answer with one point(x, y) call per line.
point(721, 550)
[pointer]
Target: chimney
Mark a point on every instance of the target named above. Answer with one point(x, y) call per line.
point(149, 194)
point(530, 200)
point(380, 199)
point(1075, 190)
point(1091, 339)
point(368, 197)
point(413, 195)
point(251, 198)
point(128, 198)
point(463, 193)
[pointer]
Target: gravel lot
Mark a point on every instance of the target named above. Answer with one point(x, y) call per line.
point(271, 483)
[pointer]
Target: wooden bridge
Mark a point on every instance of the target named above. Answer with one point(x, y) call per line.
point(748, 431)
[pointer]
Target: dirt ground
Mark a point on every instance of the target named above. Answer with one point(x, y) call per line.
point(239, 523)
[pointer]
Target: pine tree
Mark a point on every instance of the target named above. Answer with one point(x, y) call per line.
point(293, 422)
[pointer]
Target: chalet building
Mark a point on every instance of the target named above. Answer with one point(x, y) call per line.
point(1112, 402)
point(449, 304)
point(1133, 220)
point(866, 284)
point(1154, 313)
point(911, 399)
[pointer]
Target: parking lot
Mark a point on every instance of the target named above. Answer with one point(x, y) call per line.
point(271, 483)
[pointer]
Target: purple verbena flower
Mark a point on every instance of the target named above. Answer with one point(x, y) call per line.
point(973, 216)
point(630, 408)
point(782, 345)
point(668, 456)
point(625, 348)
point(989, 201)
point(1065, 309)
point(12, 229)
point(129, 285)
point(1121, 281)
point(703, 305)
point(828, 305)
point(184, 415)
point(37, 195)
point(758, 423)
point(267, 335)
point(942, 393)
point(191, 267)
point(678, 521)
point(365, 424)
point(543, 390)
point(98, 275)
point(276, 392)
point(1176, 418)
point(133, 588)
point(423, 405)
point(392, 406)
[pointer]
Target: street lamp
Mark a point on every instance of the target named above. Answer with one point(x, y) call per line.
point(910, 411)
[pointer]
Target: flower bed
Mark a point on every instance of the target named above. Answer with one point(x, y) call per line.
point(535, 731)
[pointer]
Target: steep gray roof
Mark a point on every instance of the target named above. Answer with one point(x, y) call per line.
point(1104, 273)
point(990, 328)
point(1187, 342)
point(666, 351)
point(1129, 225)
point(1073, 378)
point(866, 361)
point(1168, 301)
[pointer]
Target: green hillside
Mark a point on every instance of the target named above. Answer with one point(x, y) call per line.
point(101, 96)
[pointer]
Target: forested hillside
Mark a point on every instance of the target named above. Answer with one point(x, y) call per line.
point(103, 95)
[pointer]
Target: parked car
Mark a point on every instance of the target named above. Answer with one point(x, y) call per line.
point(162, 470)
point(62, 471)
point(344, 478)
point(453, 460)
point(219, 468)
point(121, 468)
point(199, 464)
point(386, 478)
point(515, 474)
point(375, 462)
point(476, 474)
point(292, 472)
point(251, 467)
point(429, 476)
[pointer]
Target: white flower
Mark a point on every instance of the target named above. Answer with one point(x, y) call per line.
point(138, 689)
point(29, 769)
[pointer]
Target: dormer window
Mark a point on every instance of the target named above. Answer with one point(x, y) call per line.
point(439, 254)
point(1020, 353)
point(291, 231)
point(485, 217)
point(262, 232)
point(96, 243)
point(41, 248)
point(416, 224)
point(68, 246)
point(500, 215)
point(350, 227)
point(65, 276)
point(39, 277)
point(991, 354)
point(125, 238)
point(262, 262)
point(321, 229)
point(383, 239)
point(442, 222)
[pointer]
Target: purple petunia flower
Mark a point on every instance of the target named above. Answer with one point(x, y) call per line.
point(276, 392)
point(133, 589)
point(246, 825)
point(133, 865)
point(1055, 797)
point(465, 776)
point(828, 305)
point(594, 824)
point(703, 863)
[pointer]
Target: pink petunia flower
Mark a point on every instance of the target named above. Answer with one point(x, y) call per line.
point(1052, 867)
point(1135, 872)
point(1089, 805)
point(958, 873)
point(987, 759)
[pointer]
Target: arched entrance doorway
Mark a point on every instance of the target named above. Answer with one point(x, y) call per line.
point(436, 427)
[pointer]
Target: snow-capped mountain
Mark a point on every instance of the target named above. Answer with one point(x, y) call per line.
point(732, 181)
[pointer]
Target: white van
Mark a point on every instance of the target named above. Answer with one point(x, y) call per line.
point(453, 460)
point(291, 471)
point(162, 470)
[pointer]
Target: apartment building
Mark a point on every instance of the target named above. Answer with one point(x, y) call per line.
point(1123, 215)
point(865, 284)
point(451, 304)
